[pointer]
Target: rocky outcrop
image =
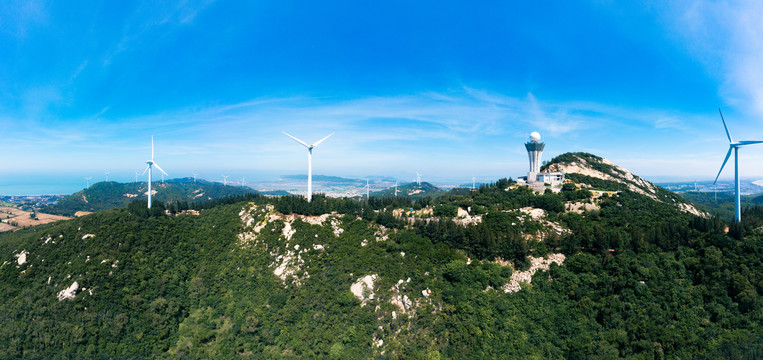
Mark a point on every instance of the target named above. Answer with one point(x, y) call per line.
point(536, 264)
point(69, 292)
point(600, 168)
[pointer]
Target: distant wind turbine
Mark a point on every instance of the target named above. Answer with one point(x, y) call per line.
point(368, 190)
point(243, 181)
point(107, 176)
point(87, 182)
point(418, 178)
point(395, 188)
point(734, 146)
point(474, 182)
point(136, 175)
point(309, 162)
point(225, 180)
point(151, 164)
point(194, 176)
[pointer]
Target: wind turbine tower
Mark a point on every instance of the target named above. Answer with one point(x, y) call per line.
point(474, 182)
point(243, 181)
point(151, 164)
point(194, 176)
point(87, 182)
point(136, 175)
point(107, 176)
point(309, 162)
point(395, 188)
point(418, 179)
point(734, 146)
point(225, 180)
point(368, 190)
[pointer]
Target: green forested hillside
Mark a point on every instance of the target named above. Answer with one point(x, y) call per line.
point(336, 278)
point(111, 194)
point(720, 204)
point(411, 190)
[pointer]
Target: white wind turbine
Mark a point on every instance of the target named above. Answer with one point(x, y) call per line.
point(418, 179)
point(734, 146)
point(368, 190)
point(395, 188)
point(151, 164)
point(107, 176)
point(243, 181)
point(309, 162)
point(474, 182)
point(136, 175)
point(225, 180)
point(87, 182)
point(194, 176)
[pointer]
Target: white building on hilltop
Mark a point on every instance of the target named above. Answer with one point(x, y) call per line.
point(534, 152)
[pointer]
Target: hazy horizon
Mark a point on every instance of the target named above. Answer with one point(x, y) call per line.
point(67, 183)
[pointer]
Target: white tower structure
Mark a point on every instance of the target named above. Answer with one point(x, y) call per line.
point(534, 152)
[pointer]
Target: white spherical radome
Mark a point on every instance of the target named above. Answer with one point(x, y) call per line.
point(535, 136)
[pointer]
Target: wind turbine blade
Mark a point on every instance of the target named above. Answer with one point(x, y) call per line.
point(297, 140)
point(160, 169)
point(724, 164)
point(749, 142)
point(144, 171)
point(321, 140)
point(724, 126)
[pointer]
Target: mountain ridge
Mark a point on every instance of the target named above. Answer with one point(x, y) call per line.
point(499, 272)
point(583, 168)
point(109, 195)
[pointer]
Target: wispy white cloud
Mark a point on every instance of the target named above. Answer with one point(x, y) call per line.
point(432, 132)
point(670, 122)
point(18, 16)
point(727, 36)
point(152, 17)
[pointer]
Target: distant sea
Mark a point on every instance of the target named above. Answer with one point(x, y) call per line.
point(42, 184)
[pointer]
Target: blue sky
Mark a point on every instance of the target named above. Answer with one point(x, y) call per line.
point(449, 89)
